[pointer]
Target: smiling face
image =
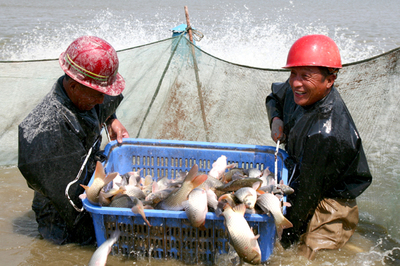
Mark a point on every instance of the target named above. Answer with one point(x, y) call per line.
point(309, 85)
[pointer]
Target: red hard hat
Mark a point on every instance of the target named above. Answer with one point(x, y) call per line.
point(93, 62)
point(314, 50)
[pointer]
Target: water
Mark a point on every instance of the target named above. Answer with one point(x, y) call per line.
point(255, 33)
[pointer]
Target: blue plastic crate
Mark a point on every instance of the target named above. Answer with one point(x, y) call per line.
point(171, 235)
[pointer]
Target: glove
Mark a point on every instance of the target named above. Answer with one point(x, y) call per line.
point(277, 130)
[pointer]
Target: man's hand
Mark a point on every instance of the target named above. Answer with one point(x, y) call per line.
point(117, 130)
point(277, 130)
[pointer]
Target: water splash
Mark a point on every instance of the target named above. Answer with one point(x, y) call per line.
point(240, 36)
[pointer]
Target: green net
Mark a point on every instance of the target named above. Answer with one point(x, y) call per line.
point(171, 94)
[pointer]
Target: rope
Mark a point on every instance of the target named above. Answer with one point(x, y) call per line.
point(276, 161)
point(80, 172)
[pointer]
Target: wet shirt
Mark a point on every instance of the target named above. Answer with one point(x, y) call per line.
point(326, 157)
point(54, 140)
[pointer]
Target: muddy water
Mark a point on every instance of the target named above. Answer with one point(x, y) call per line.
point(21, 243)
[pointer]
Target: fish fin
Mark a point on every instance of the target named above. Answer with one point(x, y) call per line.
point(198, 180)
point(260, 192)
point(287, 204)
point(281, 182)
point(110, 177)
point(256, 236)
point(202, 226)
point(192, 172)
point(85, 187)
point(257, 185)
point(286, 223)
point(139, 209)
point(147, 180)
point(241, 209)
point(99, 171)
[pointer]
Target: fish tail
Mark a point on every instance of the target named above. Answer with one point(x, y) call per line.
point(284, 225)
point(110, 177)
point(99, 171)
point(198, 180)
point(139, 209)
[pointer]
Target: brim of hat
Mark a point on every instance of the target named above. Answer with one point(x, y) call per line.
point(113, 89)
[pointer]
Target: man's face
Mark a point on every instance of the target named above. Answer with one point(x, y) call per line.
point(86, 98)
point(309, 85)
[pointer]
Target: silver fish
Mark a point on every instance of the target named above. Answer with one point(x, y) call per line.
point(280, 188)
point(99, 181)
point(247, 195)
point(237, 184)
point(196, 207)
point(242, 237)
point(174, 201)
point(252, 172)
point(270, 203)
point(99, 257)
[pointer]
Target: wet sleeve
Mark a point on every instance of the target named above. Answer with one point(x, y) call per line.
point(275, 100)
point(50, 158)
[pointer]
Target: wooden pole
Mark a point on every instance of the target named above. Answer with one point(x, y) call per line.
point(196, 71)
point(188, 24)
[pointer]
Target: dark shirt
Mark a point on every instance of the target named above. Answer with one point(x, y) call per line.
point(326, 157)
point(54, 140)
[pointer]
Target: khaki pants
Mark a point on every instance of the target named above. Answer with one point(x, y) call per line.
point(331, 226)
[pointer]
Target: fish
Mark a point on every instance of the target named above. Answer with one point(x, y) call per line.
point(125, 201)
point(131, 178)
point(147, 185)
point(280, 188)
point(267, 178)
point(247, 195)
point(99, 181)
point(196, 207)
point(237, 184)
point(232, 173)
point(212, 200)
point(134, 191)
point(99, 257)
point(252, 172)
point(174, 200)
point(270, 203)
point(138, 208)
point(105, 197)
point(121, 201)
point(242, 237)
point(219, 167)
point(222, 200)
point(155, 197)
point(211, 183)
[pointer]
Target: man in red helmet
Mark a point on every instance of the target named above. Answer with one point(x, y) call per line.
point(328, 167)
point(64, 129)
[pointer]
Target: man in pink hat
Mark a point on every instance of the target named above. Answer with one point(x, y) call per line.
point(64, 129)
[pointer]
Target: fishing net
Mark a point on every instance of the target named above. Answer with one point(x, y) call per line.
point(174, 90)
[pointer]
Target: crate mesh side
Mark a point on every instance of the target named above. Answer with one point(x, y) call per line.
point(171, 237)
